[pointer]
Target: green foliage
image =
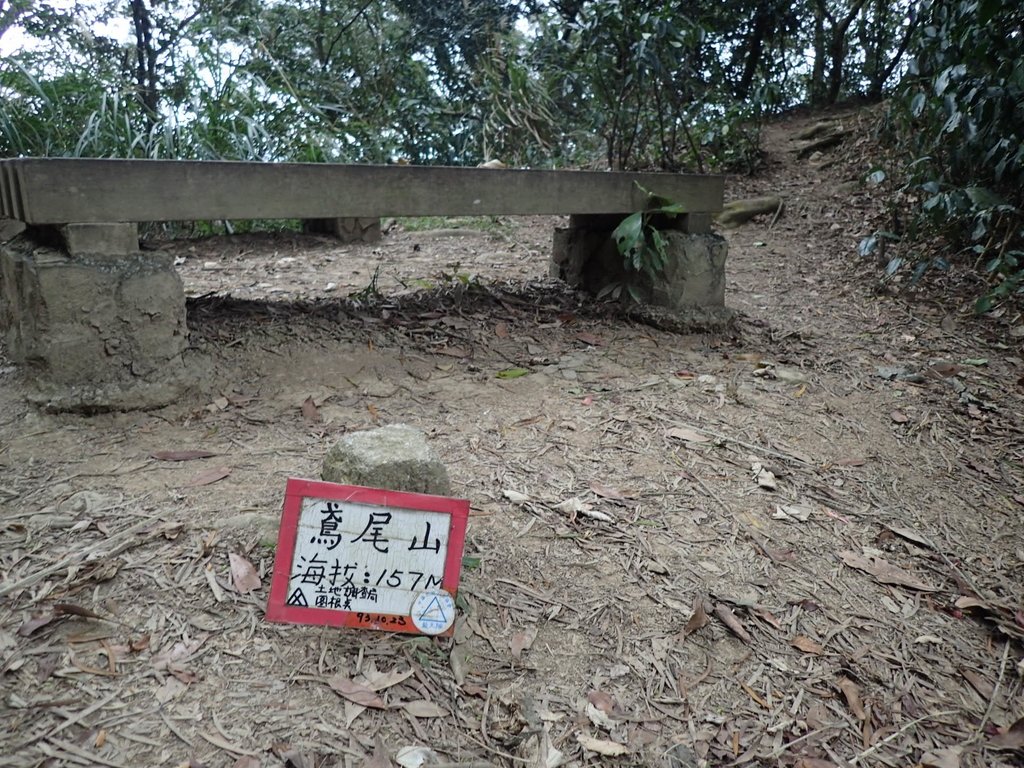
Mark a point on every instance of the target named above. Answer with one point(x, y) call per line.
point(960, 121)
point(639, 241)
point(635, 73)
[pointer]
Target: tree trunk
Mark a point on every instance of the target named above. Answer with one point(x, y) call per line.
point(894, 60)
point(146, 81)
point(818, 69)
point(755, 49)
point(837, 48)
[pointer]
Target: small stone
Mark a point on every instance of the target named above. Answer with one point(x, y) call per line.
point(396, 457)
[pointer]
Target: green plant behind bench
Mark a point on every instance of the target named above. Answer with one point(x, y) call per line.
point(641, 244)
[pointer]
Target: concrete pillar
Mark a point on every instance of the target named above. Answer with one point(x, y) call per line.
point(116, 240)
point(585, 256)
point(96, 324)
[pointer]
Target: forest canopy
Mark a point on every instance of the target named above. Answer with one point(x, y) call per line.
point(617, 83)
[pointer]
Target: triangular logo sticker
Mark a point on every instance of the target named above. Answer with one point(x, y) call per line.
point(298, 598)
point(433, 612)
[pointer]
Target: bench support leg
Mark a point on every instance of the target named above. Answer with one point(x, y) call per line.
point(585, 256)
point(96, 324)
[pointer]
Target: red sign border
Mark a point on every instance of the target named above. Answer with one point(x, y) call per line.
point(298, 489)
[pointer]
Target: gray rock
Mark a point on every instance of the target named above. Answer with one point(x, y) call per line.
point(396, 457)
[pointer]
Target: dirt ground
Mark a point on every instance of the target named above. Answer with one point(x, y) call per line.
point(797, 543)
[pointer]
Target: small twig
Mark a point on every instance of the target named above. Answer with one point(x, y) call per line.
point(85, 754)
point(78, 556)
point(227, 746)
point(175, 730)
point(893, 736)
point(992, 699)
point(778, 213)
point(800, 739)
point(749, 446)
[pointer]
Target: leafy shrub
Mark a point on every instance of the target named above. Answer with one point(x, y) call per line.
point(960, 120)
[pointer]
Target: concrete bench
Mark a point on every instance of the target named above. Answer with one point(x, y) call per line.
point(101, 325)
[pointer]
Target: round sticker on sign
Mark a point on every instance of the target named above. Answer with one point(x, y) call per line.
point(433, 612)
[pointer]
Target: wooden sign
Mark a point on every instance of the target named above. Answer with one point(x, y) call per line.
point(349, 556)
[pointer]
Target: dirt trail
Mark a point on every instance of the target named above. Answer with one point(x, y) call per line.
point(848, 616)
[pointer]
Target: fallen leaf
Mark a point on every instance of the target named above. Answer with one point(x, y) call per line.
point(852, 461)
point(171, 688)
point(379, 759)
point(180, 455)
point(943, 369)
point(70, 609)
point(512, 373)
point(424, 708)
point(521, 641)
point(1009, 738)
point(910, 535)
point(38, 621)
point(767, 616)
point(587, 511)
point(763, 477)
point(243, 574)
point(177, 653)
point(687, 434)
point(186, 676)
point(515, 496)
point(728, 618)
point(852, 693)
point(379, 681)
point(209, 477)
point(575, 506)
point(899, 417)
point(309, 411)
point(814, 762)
point(599, 718)
point(603, 701)
point(352, 711)
point(452, 351)
point(501, 330)
point(942, 758)
point(601, 746)
point(415, 757)
point(790, 375)
point(805, 644)
point(884, 572)
point(698, 619)
point(248, 761)
point(607, 492)
point(978, 683)
point(971, 602)
point(355, 692)
point(590, 338)
point(794, 513)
